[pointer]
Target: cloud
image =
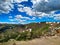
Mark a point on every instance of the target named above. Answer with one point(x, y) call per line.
point(57, 17)
point(21, 19)
point(31, 12)
point(18, 1)
point(46, 6)
point(28, 10)
point(20, 9)
point(34, 18)
point(35, 1)
point(17, 17)
point(7, 5)
point(10, 17)
point(8, 23)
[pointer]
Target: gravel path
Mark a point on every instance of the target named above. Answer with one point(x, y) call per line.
point(41, 41)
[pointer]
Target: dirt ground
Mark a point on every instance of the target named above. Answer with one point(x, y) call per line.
point(41, 41)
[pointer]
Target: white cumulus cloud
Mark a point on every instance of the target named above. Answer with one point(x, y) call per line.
point(28, 10)
point(7, 5)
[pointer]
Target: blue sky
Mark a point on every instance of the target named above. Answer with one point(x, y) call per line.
point(28, 11)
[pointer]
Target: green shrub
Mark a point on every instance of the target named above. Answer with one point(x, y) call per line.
point(24, 35)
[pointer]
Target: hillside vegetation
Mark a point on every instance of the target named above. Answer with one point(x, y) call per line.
point(28, 31)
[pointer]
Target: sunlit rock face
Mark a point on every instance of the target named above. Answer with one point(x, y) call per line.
point(46, 5)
